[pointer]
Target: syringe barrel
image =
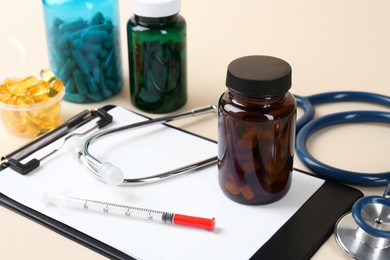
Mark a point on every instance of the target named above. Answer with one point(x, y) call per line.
point(117, 209)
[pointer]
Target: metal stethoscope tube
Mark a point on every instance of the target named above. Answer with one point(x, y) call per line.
point(110, 174)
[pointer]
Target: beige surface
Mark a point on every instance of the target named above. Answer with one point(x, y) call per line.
point(331, 45)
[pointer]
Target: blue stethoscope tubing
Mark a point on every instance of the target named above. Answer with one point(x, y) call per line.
point(307, 126)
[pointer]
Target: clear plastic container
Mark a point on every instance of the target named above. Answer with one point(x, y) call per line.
point(32, 120)
point(157, 56)
point(256, 130)
point(84, 47)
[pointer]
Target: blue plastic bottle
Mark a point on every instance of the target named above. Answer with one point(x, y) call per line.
point(83, 42)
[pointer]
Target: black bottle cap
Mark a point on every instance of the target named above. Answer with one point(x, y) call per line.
point(259, 76)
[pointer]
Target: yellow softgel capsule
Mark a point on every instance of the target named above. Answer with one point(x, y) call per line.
point(5, 97)
point(47, 75)
point(3, 90)
point(17, 100)
point(55, 87)
point(18, 88)
point(37, 89)
point(9, 83)
point(38, 92)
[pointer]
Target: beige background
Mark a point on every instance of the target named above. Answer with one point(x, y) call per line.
point(331, 45)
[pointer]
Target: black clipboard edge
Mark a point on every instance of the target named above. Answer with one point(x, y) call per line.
point(299, 238)
point(63, 229)
point(304, 233)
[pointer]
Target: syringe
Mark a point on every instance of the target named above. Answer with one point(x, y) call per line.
point(62, 200)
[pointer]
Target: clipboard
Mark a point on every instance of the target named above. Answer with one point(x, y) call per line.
point(298, 237)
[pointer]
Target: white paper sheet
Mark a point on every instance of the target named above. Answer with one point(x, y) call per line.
point(240, 229)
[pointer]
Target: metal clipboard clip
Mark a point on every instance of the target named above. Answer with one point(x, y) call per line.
point(14, 159)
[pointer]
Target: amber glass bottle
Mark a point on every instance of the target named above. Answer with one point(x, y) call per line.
point(256, 130)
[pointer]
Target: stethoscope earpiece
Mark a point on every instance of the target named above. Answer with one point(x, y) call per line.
point(75, 145)
point(111, 174)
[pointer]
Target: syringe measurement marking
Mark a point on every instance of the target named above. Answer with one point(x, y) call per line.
point(128, 209)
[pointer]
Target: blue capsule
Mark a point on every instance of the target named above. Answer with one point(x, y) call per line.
point(93, 59)
point(105, 90)
point(80, 82)
point(70, 86)
point(56, 23)
point(96, 97)
point(111, 84)
point(98, 18)
point(81, 61)
point(96, 74)
point(71, 26)
point(66, 70)
point(108, 44)
point(76, 34)
point(78, 44)
point(95, 36)
point(109, 62)
point(100, 27)
point(92, 86)
point(74, 97)
point(107, 93)
point(63, 41)
point(104, 54)
point(112, 71)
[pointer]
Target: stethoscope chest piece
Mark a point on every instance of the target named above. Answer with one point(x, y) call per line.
point(365, 232)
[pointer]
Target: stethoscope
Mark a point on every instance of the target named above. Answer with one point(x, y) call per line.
point(365, 232)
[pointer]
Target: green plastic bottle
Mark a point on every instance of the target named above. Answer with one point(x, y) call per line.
point(156, 37)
